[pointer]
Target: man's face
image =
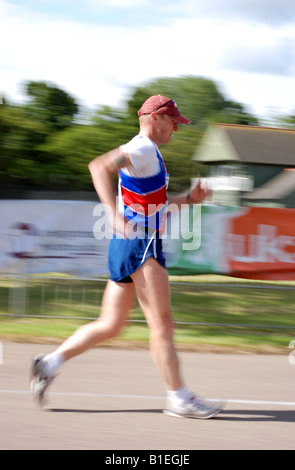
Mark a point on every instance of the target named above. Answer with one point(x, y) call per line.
point(164, 128)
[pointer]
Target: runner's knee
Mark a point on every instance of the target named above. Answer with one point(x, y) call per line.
point(109, 329)
point(163, 327)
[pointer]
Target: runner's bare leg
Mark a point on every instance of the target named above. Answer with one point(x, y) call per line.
point(117, 301)
point(153, 293)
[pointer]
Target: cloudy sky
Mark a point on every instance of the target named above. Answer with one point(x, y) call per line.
point(98, 50)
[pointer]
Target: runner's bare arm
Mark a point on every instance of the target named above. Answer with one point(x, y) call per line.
point(103, 169)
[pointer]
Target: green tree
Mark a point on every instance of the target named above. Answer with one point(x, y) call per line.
point(19, 140)
point(51, 105)
point(233, 113)
point(198, 98)
point(73, 148)
point(23, 131)
point(288, 121)
point(42, 145)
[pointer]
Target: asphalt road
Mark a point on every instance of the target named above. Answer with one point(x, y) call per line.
point(111, 399)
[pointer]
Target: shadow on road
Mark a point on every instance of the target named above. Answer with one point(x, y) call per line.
point(226, 415)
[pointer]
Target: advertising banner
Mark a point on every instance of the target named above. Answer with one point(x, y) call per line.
point(248, 242)
point(50, 236)
point(72, 237)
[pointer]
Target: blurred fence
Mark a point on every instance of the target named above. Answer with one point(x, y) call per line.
point(232, 305)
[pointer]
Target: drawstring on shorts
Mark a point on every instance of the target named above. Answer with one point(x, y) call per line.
point(152, 240)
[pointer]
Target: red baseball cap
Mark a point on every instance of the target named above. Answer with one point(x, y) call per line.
point(162, 105)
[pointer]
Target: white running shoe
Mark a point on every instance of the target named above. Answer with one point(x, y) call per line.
point(195, 407)
point(40, 381)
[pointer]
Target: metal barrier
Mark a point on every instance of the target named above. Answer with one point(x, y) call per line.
point(237, 305)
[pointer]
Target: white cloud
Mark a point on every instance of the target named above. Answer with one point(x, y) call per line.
point(267, 12)
point(98, 63)
point(119, 3)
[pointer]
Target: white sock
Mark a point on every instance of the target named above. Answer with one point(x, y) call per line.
point(179, 395)
point(52, 362)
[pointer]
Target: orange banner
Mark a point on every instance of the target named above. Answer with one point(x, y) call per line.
point(261, 244)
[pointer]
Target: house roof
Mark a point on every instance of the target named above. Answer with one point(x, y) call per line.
point(249, 144)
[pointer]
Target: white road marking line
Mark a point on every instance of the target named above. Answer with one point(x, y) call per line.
point(152, 397)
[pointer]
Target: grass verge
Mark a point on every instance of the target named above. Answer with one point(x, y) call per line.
point(212, 313)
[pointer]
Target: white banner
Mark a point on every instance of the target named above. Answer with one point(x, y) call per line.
point(50, 236)
point(57, 236)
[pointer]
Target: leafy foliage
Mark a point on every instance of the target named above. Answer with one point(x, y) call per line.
point(44, 146)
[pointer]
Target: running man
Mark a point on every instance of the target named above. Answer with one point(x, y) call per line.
point(136, 260)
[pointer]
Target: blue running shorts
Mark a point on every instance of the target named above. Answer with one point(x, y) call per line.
point(125, 256)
